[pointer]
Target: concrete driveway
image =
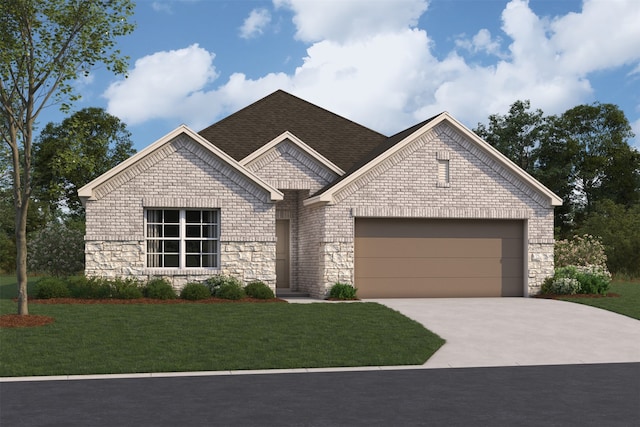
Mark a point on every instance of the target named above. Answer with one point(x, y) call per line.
point(521, 331)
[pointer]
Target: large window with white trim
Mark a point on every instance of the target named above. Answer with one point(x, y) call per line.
point(182, 238)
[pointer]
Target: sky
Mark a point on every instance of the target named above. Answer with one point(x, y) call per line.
point(386, 64)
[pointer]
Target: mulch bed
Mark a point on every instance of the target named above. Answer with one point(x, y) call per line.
point(20, 321)
point(554, 296)
point(148, 301)
point(26, 321)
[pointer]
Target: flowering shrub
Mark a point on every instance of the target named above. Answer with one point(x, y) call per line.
point(561, 286)
point(573, 279)
point(585, 250)
point(214, 283)
point(57, 249)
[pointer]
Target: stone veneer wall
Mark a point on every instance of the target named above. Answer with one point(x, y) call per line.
point(406, 185)
point(180, 174)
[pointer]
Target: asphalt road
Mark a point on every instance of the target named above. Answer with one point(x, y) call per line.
point(569, 395)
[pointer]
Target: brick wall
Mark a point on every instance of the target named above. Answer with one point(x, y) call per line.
point(181, 174)
point(406, 185)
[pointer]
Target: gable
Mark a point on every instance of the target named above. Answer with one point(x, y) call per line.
point(339, 140)
point(180, 138)
point(403, 145)
point(289, 163)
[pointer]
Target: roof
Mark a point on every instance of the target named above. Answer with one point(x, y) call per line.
point(339, 140)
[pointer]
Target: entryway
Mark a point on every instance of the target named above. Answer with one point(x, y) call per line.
point(282, 254)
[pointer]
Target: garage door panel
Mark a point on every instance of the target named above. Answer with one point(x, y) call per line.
point(438, 247)
point(436, 268)
point(444, 228)
point(438, 288)
point(438, 258)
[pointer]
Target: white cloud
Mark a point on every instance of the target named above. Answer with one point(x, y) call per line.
point(160, 84)
point(341, 21)
point(481, 42)
point(255, 23)
point(159, 6)
point(388, 77)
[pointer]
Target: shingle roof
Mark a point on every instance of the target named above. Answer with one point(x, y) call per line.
point(340, 140)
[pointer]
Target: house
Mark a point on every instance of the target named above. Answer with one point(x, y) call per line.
point(286, 192)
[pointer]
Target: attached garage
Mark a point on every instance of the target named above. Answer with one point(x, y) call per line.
point(422, 258)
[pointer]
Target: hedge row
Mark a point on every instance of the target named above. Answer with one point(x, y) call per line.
point(219, 286)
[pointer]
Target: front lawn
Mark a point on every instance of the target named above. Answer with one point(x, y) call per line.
point(628, 303)
point(101, 339)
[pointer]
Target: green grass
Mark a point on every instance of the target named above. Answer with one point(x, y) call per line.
point(628, 303)
point(9, 286)
point(101, 339)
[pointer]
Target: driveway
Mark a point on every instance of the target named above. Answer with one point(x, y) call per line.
point(521, 331)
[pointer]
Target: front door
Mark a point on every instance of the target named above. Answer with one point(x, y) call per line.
point(282, 253)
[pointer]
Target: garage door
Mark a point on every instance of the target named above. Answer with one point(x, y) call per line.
point(409, 258)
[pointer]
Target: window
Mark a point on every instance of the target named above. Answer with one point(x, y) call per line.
point(443, 172)
point(180, 238)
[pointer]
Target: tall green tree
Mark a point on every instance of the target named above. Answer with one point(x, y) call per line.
point(605, 166)
point(554, 167)
point(45, 45)
point(515, 134)
point(619, 228)
point(70, 154)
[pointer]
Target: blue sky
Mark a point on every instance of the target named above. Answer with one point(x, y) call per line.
point(387, 64)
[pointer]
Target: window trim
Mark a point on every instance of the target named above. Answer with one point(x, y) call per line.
point(182, 238)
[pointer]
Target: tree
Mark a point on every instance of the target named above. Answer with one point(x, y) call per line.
point(619, 228)
point(71, 154)
point(44, 46)
point(515, 134)
point(600, 133)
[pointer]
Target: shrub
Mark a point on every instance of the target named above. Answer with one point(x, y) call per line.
point(89, 287)
point(342, 291)
point(593, 280)
point(561, 286)
point(57, 249)
point(214, 283)
point(159, 288)
point(232, 291)
point(52, 287)
point(128, 288)
point(195, 291)
point(585, 250)
point(573, 279)
point(258, 289)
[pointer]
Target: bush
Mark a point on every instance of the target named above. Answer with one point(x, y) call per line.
point(52, 287)
point(593, 280)
point(583, 250)
point(214, 283)
point(573, 279)
point(89, 287)
point(159, 288)
point(57, 249)
point(561, 286)
point(128, 288)
point(230, 291)
point(195, 291)
point(342, 291)
point(258, 289)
